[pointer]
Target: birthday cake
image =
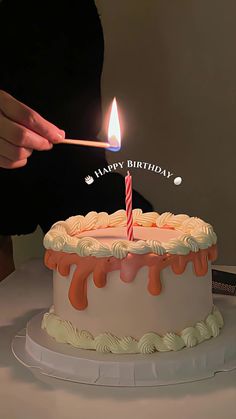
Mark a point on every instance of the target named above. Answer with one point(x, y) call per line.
point(153, 293)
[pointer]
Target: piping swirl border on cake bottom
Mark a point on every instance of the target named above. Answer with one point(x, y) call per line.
point(64, 332)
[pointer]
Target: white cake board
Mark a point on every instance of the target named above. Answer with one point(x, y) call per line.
point(43, 355)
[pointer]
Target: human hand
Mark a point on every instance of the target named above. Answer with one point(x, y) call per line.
point(23, 130)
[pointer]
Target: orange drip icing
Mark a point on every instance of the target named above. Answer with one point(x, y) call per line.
point(128, 267)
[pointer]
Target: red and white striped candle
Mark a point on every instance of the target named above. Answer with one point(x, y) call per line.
point(128, 203)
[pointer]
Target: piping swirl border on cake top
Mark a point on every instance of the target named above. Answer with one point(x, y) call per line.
point(197, 234)
point(64, 332)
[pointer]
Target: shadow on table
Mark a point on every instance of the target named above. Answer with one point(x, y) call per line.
point(222, 380)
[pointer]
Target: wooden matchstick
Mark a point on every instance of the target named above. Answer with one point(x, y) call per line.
point(86, 143)
point(113, 145)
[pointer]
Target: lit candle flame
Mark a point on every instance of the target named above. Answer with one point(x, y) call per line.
point(114, 136)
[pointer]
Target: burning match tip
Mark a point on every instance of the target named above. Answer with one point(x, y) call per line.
point(114, 144)
point(113, 148)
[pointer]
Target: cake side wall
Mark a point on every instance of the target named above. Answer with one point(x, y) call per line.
point(128, 309)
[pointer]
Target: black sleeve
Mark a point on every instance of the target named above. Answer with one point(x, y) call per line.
point(51, 59)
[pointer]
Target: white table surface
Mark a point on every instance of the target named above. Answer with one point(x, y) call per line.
point(29, 290)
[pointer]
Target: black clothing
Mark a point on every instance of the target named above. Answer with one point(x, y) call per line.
point(51, 60)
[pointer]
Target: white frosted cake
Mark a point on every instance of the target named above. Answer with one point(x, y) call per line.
point(120, 296)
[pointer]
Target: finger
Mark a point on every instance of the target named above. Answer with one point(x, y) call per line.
point(21, 136)
point(13, 152)
point(19, 112)
point(8, 164)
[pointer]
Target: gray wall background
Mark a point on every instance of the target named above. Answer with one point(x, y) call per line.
point(172, 67)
